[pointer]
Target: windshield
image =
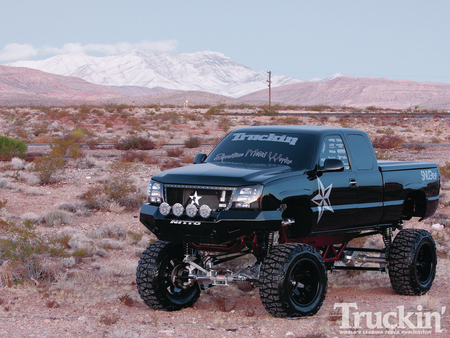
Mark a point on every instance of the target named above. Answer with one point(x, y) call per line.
point(265, 148)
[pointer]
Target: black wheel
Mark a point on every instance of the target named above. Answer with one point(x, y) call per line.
point(412, 262)
point(293, 281)
point(156, 278)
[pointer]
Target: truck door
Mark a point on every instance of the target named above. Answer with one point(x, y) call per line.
point(370, 190)
point(335, 199)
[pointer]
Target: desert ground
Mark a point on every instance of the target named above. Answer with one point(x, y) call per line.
point(82, 282)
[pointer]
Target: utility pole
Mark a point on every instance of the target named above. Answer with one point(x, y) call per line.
point(270, 89)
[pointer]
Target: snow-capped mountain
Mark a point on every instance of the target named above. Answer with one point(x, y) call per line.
point(211, 72)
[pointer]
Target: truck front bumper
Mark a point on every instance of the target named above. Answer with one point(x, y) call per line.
point(219, 228)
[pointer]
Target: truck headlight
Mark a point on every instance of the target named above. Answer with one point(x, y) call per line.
point(247, 197)
point(155, 192)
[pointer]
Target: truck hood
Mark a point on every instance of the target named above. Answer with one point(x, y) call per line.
point(223, 175)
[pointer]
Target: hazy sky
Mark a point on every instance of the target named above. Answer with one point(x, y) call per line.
point(302, 39)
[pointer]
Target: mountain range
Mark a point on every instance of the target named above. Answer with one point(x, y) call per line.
point(210, 72)
point(200, 78)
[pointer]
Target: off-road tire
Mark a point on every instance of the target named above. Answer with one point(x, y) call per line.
point(293, 281)
point(153, 278)
point(412, 262)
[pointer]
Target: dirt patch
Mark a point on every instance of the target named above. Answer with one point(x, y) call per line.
point(96, 296)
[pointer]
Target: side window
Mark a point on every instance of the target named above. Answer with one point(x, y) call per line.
point(333, 147)
point(362, 155)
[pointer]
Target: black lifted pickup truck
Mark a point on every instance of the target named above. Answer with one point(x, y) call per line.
point(293, 197)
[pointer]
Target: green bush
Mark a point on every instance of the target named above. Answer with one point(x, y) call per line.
point(48, 165)
point(270, 112)
point(67, 146)
point(10, 148)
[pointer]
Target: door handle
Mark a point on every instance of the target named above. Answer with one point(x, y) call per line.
point(352, 183)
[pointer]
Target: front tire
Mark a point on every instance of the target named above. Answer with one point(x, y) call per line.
point(293, 281)
point(154, 278)
point(412, 262)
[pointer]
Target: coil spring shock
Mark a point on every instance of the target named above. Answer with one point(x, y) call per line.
point(387, 239)
point(269, 242)
point(187, 250)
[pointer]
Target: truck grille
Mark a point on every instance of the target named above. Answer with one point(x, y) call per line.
point(215, 197)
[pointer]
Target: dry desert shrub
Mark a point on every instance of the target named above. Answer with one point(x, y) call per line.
point(134, 237)
point(115, 207)
point(114, 230)
point(192, 142)
point(133, 156)
point(48, 165)
point(42, 139)
point(80, 243)
point(152, 160)
point(225, 123)
point(222, 303)
point(174, 152)
point(112, 244)
point(120, 187)
point(56, 217)
point(135, 142)
point(17, 163)
point(3, 183)
point(387, 142)
point(27, 254)
point(445, 170)
point(109, 319)
point(31, 217)
point(126, 300)
point(170, 164)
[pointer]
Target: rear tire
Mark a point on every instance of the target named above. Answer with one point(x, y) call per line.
point(156, 268)
point(412, 262)
point(293, 281)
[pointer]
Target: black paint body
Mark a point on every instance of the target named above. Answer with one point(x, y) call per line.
point(364, 195)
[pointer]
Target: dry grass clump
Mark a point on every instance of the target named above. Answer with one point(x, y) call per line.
point(31, 217)
point(112, 244)
point(115, 231)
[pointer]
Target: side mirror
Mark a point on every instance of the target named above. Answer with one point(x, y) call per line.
point(199, 158)
point(332, 164)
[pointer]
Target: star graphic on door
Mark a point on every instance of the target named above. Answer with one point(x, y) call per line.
point(195, 199)
point(322, 199)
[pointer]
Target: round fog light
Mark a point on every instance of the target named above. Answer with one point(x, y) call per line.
point(177, 209)
point(205, 211)
point(191, 210)
point(164, 209)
